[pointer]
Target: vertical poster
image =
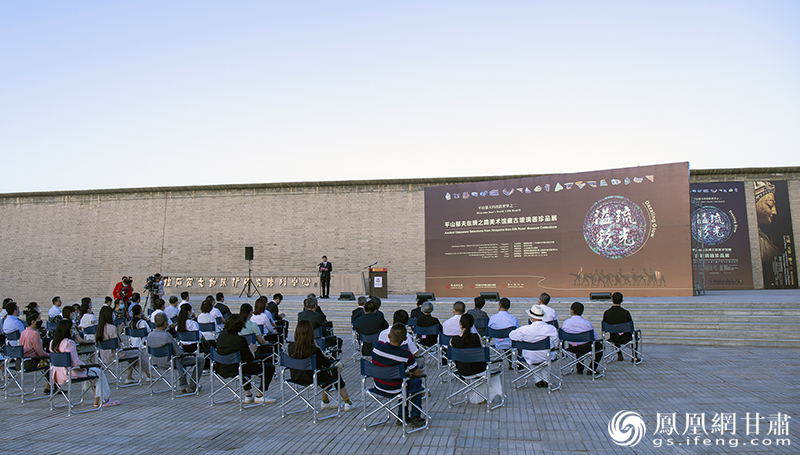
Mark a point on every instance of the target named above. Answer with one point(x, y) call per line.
point(720, 238)
point(775, 237)
point(566, 234)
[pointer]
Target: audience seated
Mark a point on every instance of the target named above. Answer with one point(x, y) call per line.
point(537, 330)
point(370, 323)
point(228, 342)
point(618, 315)
point(31, 342)
point(478, 313)
point(207, 317)
point(304, 347)
point(549, 313)
point(503, 320)
point(87, 318)
point(400, 317)
point(426, 320)
point(107, 331)
point(159, 338)
point(576, 324)
point(417, 312)
point(186, 324)
point(391, 354)
point(452, 326)
point(12, 322)
point(62, 343)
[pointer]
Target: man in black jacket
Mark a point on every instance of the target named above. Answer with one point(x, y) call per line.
point(370, 323)
point(325, 269)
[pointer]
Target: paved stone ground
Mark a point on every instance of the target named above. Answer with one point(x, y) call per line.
point(672, 379)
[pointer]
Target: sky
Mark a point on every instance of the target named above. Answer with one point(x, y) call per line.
point(97, 95)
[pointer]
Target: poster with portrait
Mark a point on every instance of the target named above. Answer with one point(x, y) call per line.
point(720, 238)
point(566, 234)
point(775, 237)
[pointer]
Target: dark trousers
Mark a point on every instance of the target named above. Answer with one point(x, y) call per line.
point(413, 386)
point(582, 349)
point(255, 369)
point(325, 286)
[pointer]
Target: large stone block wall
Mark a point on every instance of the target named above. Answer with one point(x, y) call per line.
point(80, 243)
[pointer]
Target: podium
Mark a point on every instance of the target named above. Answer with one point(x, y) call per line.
point(378, 284)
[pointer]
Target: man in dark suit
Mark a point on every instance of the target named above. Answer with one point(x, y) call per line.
point(310, 313)
point(618, 315)
point(325, 269)
point(369, 324)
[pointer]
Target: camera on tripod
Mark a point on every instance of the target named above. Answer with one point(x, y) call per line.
point(152, 283)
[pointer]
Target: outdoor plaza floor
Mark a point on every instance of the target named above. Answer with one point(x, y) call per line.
point(752, 384)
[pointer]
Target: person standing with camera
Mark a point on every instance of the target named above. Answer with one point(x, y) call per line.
point(155, 286)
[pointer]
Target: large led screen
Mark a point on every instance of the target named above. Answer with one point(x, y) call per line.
point(616, 230)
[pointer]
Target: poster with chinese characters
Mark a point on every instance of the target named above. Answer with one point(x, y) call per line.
point(720, 238)
point(568, 234)
point(775, 237)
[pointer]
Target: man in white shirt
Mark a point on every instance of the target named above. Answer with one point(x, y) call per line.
point(452, 326)
point(576, 324)
point(503, 320)
point(172, 310)
point(537, 331)
point(400, 317)
point(549, 313)
point(55, 310)
point(12, 323)
point(184, 299)
point(159, 308)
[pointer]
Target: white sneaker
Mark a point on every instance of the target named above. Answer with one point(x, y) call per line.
point(248, 400)
point(328, 405)
point(269, 400)
point(346, 407)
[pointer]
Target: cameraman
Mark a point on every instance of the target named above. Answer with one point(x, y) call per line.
point(156, 289)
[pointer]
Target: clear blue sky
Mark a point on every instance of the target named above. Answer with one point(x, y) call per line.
point(133, 94)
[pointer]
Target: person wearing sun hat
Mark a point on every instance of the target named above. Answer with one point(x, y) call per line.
point(536, 331)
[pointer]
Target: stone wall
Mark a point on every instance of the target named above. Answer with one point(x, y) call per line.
point(79, 243)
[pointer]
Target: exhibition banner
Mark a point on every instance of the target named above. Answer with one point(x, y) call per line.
point(775, 237)
point(720, 238)
point(568, 234)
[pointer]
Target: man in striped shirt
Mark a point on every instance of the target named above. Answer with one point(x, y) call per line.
point(391, 354)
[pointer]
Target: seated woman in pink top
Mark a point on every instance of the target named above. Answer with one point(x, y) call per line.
point(31, 342)
point(62, 343)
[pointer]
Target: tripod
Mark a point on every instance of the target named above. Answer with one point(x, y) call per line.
point(250, 287)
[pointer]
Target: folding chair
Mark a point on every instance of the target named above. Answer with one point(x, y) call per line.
point(523, 370)
point(498, 354)
point(473, 383)
point(371, 339)
point(127, 355)
point(174, 362)
point(233, 384)
point(329, 344)
point(390, 402)
point(632, 349)
point(480, 325)
point(355, 340)
point(63, 360)
point(426, 352)
point(554, 323)
point(573, 359)
point(443, 341)
point(307, 393)
point(15, 365)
